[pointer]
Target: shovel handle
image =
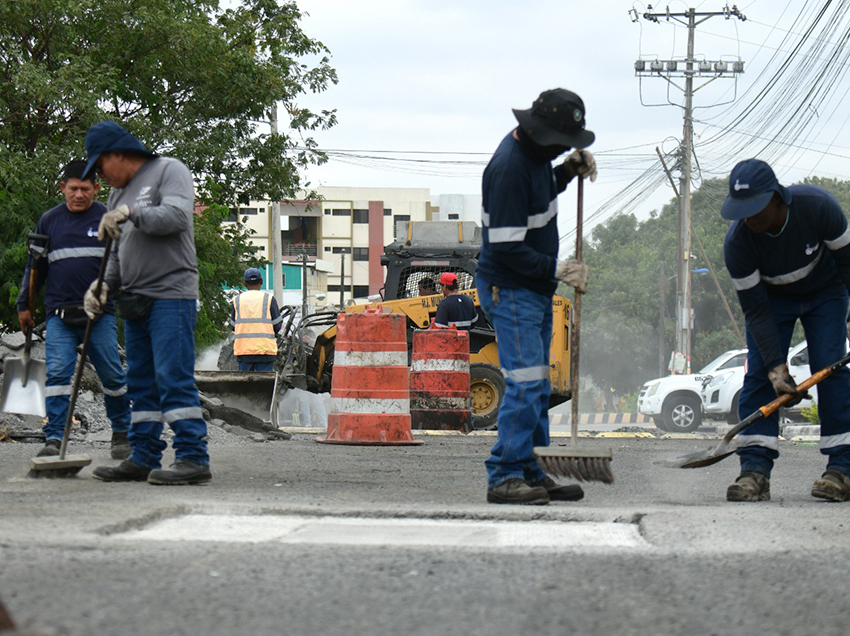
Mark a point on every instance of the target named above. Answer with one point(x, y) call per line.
point(782, 400)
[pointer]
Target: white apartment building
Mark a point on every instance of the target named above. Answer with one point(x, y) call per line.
point(345, 231)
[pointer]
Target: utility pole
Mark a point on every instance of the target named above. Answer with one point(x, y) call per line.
point(304, 308)
point(704, 70)
point(277, 257)
point(342, 279)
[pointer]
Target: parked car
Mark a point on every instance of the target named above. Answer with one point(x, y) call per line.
point(674, 402)
point(720, 392)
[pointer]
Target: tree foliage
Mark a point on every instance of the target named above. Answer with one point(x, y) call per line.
point(188, 78)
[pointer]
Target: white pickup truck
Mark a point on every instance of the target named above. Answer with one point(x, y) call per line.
point(674, 402)
point(720, 393)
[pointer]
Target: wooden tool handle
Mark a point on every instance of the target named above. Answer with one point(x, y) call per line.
point(576, 330)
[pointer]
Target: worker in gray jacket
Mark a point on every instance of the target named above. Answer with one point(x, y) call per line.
point(153, 273)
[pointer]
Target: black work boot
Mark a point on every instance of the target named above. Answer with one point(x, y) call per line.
point(750, 486)
point(833, 485)
point(51, 448)
point(125, 471)
point(182, 473)
point(518, 491)
point(120, 446)
point(557, 492)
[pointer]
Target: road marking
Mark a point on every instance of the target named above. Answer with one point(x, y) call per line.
point(392, 532)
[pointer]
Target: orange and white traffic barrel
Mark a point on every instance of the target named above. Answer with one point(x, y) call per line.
point(370, 396)
point(439, 381)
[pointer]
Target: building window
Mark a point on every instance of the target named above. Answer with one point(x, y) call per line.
point(454, 217)
point(396, 219)
point(328, 212)
point(341, 250)
point(388, 212)
point(233, 215)
point(327, 249)
point(251, 211)
point(360, 254)
point(361, 291)
point(360, 216)
point(340, 212)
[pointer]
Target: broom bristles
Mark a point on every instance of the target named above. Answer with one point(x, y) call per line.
point(579, 468)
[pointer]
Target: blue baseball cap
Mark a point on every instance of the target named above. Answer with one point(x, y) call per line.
point(252, 275)
point(751, 187)
point(107, 136)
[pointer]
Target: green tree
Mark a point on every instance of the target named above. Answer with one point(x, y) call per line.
point(189, 79)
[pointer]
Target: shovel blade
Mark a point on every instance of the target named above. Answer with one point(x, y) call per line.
point(702, 458)
point(23, 385)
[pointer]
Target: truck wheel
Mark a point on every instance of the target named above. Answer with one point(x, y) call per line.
point(733, 414)
point(487, 388)
point(659, 423)
point(682, 414)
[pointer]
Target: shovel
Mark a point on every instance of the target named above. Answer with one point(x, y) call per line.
point(722, 450)
point(24, 379)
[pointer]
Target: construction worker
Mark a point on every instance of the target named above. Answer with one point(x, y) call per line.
point(788, 253)
point(518, 272)
point(455, 309)
point(74, 254)
point(427, 287)
point(153, 270)
point(256, 319)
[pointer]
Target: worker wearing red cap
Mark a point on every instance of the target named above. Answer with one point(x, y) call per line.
point(455, 309)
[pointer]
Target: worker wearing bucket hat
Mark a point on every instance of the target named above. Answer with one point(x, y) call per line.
point(788, 253)
point(153, 273)
point(518, 272)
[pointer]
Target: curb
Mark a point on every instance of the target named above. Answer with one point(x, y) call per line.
point(603, 418)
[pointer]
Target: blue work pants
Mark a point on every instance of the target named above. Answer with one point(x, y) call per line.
point(823, 320)
point(523, 323)
point(161, 378)
point(61, 343)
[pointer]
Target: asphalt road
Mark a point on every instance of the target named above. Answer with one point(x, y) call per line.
point(294, 537)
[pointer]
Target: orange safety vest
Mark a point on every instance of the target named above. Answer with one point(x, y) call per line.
point(253, 324)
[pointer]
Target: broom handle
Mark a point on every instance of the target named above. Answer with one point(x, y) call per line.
point(574, 336)
point(78, 373)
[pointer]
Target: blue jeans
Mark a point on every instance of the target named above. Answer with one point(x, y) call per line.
point(61, 358)
point(523, 323)
point(256, 366)
point(823, 320)
point(161, 378)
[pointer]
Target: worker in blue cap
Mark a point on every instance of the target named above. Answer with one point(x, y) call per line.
point(788, 253)
point(153, 274)
point(255, 317)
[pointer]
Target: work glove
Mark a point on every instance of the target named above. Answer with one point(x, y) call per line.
point(111, 222)
point(783, 384)
point(572, 272)
point(582, 164)
point(92, 304)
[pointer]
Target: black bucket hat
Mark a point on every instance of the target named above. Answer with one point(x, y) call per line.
point(556, 118)
point(107, 136)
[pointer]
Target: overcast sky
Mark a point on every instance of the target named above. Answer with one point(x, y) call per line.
point(441, 76)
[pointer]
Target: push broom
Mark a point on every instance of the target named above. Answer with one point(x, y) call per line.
point(69, 465)
point(571, 461)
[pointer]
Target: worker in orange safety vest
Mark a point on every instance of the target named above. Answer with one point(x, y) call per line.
point(255, 317)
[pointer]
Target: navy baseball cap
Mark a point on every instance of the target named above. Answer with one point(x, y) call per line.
point(252, 275)
point(107, 136)
point(751, 187)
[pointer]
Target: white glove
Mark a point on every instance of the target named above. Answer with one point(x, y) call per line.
point(581, 163)
point(111, 222)
point(91, 303)
point(572, 272)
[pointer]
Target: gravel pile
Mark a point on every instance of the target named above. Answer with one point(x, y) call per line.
point(91, 424)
